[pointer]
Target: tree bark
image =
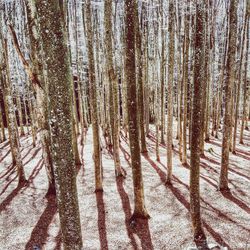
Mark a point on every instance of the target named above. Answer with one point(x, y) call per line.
point(197, 128)
point(139, 202)
point(171, 47)
point(60, 86)
point(93, 100)
point(223, 183)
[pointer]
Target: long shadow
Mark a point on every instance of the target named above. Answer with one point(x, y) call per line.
point(141, 227)
point(215, 143)
point(242, 154)
point(214, 209)
point(5, 144)
point(127, 209)
point(181, 198)
point(238, 202)
point(204, 164)
point(7, 185)
point(40, 232)
point(20, 188)
point(126, 155)
point(27, 153)
point(10, 197)
point(10, 170)
point(35, 171)
point(33, 156)
point(6, 154)
point(239, 173)
point(101, 221)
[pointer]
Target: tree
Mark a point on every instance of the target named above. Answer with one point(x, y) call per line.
point(41, 97)
point(223, 182)
point(93, 100)
point(130, 75)
point(140, 82)
point(197, 128)
point(11, 118)
point(60, 85)
point(114, 113)
point(171, 30)
point(185, 87)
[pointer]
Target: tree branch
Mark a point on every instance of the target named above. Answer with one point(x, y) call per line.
point(28, 69)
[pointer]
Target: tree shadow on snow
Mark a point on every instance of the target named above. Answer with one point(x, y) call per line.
point(182, 199)
point(40, 232)
point(141, 227)
point(10, 197)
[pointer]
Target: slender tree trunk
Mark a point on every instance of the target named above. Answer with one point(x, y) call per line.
point(244, 33)
point(3, 137)
point(197, 128)
point(139, 202)
point(223, 183)
point(113, 83)
point(246, 85)
point(93, 100)
point(140, 65)
point(185, 87)
point(11, 117)
point(171, 47)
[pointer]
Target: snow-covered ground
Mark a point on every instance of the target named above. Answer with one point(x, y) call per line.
point(28, 219)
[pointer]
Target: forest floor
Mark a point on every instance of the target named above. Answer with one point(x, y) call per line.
point(29, 219)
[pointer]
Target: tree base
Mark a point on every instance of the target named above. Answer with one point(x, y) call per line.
point(139, 215)
point(98, 190)
point(51, 191)
point(168, 182)
point(201, 241)
point(22, 182)
point(224, 189)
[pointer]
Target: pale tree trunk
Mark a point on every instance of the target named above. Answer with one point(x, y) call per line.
point(140, 81)
point(113, 83)
point(59, 85)
point(20, 113)
point(139, 202)
point(32, 119)
point(171, 47)
point(12, 124)
point(244, 33)
point(3, 137)
point(223, 183)
point(162, 93)
point(197, 128)
point(93, 100)
point(246, 89)
point(185, 87)
point(41, 97)
point(220, 92)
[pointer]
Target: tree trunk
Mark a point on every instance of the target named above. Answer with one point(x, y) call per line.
point(140, 82)
point(223, 183)
point(171, 47)
point(93, 100)
point(140, 209)
point(11, 118)
point(60, 86)
point(197, 128)
point(113, 83)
